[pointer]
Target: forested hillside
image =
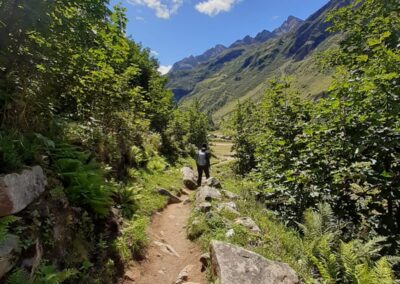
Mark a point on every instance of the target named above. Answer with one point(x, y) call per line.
point(86, 104)
point(221, 76)
point(341, 152)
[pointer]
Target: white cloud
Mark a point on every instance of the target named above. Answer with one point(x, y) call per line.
point(154, 53)
point(275, 18)
point(164, 69)
point(214, 7)
point(164, 8)
point(138, 18)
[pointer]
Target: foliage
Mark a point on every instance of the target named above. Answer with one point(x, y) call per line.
point(5, 223)
point(342, 149)
point(338, 261)
point(318, 252)
point(127, 200)
point(83, 179)
point(133, 239)
point(46, 274)
point(187, 129)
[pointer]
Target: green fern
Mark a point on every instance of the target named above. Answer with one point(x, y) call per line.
point(47, 274)
point(19, 276)
point(383, 272)
point(84, 180)
point(5, 222)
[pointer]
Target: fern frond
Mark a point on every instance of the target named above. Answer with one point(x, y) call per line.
point(383, 271)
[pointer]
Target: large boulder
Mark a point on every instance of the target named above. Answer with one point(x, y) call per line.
point(17, 191)
point(189, 178)
point(9, 248)
point(207, 193)
point(235, 265)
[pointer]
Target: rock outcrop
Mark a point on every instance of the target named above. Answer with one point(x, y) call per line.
point(189, 179)
point(207, 193)
point(17, 191)
point(235, 265)
point(8, 254)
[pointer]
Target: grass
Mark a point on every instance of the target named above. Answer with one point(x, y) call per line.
point(133, 240)
point(276, 242)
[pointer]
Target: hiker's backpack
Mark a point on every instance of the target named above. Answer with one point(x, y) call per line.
point(202, 158)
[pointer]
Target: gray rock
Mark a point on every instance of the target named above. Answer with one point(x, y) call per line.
point(235, 265)
point(230, 195)
point(228, 206)
point(172, 199)
point(9, 249)
point(17, 191)
point(205, 261)
point(248, 223)
point(183, 276)
point(230, 233)
point(189, 179)
point(213, 182)
point(204, 207)
point(166, 248)
point(207, 193)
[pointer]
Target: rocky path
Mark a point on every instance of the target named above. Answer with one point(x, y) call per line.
point(170, 252)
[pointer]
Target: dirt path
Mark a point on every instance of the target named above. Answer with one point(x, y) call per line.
point(169, 251)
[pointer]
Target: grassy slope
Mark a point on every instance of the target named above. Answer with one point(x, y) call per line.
point(276, 242)
point(220, 92)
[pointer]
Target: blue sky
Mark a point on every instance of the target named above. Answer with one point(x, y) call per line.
point(174, 29)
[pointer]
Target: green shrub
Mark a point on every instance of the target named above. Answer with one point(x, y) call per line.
point(133, 240)
point(126, 199)
point(45, 274)
point(5, 223)
point(83, 179)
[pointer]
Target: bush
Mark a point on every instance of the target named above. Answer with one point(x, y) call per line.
point(83, 179)
point(133, 240)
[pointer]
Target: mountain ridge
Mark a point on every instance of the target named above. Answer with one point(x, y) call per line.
point(191, 61)
point(243, 70)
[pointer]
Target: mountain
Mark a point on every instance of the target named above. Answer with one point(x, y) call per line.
point(222, 76)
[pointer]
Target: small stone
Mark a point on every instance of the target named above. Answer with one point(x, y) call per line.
point(183, 276)
point(249, 224)
point(230, 195)
point(213, 182)
point(172, 199)
point(167, 248)
point(205, 261)
point(230, 233)
point(187, 201)
point(204, 207)
point(228, 206)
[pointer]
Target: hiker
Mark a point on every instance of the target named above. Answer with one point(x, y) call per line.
point(203, 163)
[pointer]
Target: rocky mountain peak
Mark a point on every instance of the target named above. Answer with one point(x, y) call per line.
point(289, 25)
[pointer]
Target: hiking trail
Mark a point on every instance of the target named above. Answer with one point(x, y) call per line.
point(170, 251)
